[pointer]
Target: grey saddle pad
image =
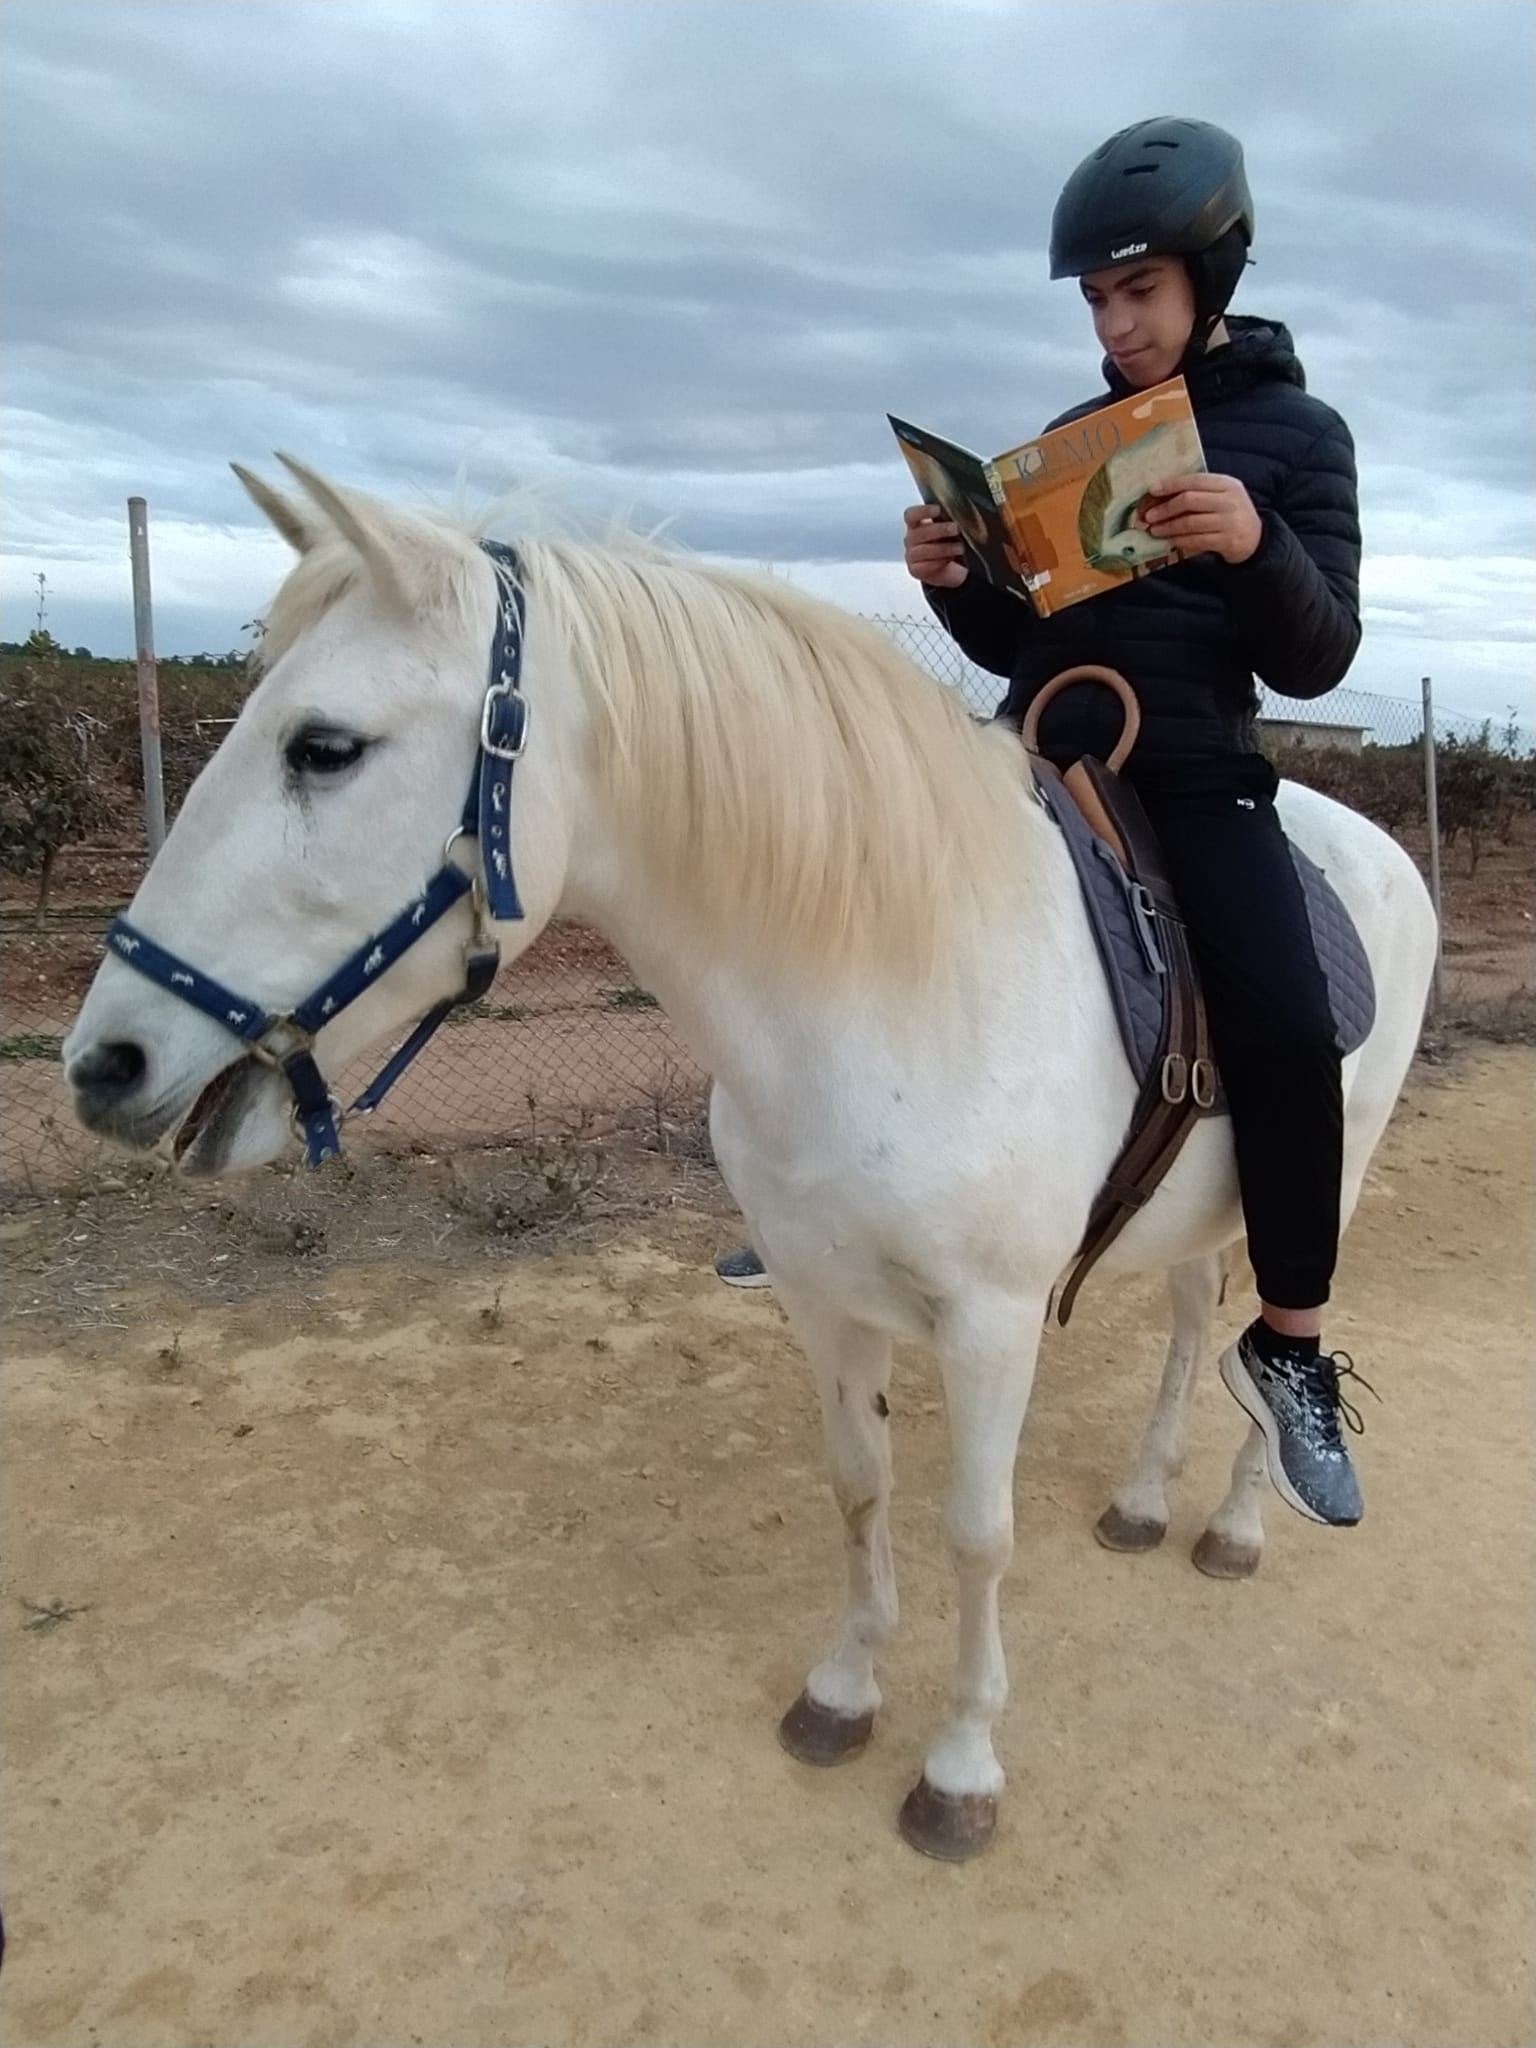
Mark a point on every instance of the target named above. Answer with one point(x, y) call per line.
point(1133, 963)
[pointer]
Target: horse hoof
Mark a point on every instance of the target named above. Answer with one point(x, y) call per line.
point(954, 1827)
point(815, 1735)
point(1123, 1532)
point(1220, 1558)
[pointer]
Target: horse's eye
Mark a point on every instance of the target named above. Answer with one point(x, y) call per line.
point(321, 750)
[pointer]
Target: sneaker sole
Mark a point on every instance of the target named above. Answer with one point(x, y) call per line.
point(1235, 1378)
point(744, 1279)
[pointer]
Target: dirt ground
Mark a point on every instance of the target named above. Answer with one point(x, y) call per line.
point(393, 1651)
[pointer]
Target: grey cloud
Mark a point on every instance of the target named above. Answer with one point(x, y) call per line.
point(658, 248)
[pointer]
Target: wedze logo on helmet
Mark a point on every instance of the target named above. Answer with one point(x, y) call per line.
point(1128, 249)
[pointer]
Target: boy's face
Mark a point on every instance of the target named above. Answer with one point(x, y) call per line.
point(1143, 314)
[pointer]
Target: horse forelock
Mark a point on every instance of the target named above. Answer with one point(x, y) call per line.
point(435, 566)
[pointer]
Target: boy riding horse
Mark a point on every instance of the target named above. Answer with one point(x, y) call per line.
point(1156, 225)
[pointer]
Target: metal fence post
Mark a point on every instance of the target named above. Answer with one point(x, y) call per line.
point(1432, 819)
point(149, 681)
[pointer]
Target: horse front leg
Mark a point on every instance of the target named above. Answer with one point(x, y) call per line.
point(1137, 1515)
point(835, 1715)
point(987, 1356)
point(1232, 1544)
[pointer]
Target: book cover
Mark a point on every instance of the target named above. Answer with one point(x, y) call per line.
point(965, 489)
point(1057, 520)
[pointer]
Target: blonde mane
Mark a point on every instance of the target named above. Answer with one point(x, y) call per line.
point(803, 787)
point(801, 782)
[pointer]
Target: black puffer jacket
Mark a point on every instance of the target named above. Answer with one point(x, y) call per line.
point(1191, 639)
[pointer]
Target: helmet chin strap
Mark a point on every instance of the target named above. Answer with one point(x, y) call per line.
point(1216, 336)
point(1214, 275)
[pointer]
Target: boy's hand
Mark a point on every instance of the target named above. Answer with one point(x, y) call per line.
point(932, 548)
point(1204, 515)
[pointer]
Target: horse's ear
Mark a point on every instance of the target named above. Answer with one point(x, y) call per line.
point(347, 516)
point(288, 519)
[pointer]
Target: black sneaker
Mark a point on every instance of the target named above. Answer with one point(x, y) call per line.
point(742, 1269)
point(1295, 1400)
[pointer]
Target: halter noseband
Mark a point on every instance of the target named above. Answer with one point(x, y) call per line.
point(286, 1042)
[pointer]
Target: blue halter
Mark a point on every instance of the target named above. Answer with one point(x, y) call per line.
point(287, 1042)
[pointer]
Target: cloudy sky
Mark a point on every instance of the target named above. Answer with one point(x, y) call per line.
point(680, 257)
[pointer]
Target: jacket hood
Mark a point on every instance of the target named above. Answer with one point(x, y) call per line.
point(1257, 352)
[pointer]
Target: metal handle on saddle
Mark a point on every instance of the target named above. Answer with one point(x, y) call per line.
point(1089, 672)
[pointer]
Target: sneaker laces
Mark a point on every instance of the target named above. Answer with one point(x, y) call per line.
point(1320, 1376)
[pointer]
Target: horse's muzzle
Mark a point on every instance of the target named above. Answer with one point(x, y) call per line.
point(105, 1078)
point(114, 1098)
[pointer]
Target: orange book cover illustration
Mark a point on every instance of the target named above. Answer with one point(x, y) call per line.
point(1057, 520)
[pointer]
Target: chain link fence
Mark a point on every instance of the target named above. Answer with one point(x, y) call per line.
point(565, 1042)
point(1344, 719)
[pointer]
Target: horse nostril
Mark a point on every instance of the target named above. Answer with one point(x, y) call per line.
point(108, 1073)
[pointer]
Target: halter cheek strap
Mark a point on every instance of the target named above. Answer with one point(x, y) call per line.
point(286, 1041)
point(503, 741)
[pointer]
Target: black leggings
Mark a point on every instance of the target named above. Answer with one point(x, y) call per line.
point(1271, 1022)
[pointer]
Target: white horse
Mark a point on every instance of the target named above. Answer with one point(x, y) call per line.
point(847, 898)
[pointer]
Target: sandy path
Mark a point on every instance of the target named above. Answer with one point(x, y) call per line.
point(424, 1684)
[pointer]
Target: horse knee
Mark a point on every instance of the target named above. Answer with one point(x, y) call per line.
point(858, 1511)
point(980, 1543)
point(859, 1471)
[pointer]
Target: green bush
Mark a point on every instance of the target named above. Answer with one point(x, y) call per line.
point(1384, 783)
point(55, 787)
point(101, 698)
point(1482, 789)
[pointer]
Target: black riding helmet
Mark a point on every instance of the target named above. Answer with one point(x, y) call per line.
point(1167, 187)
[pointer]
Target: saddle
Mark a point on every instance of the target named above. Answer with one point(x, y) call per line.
point(1154, 984)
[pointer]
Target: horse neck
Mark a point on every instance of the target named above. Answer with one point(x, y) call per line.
point(764, 1026)
point(793, 979)
point(723, 1001)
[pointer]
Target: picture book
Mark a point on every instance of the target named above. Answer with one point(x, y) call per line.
point(1057, 520)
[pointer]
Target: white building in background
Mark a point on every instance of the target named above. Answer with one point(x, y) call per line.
point(1316, 733)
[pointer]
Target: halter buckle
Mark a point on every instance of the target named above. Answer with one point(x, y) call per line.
point(516, 704)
